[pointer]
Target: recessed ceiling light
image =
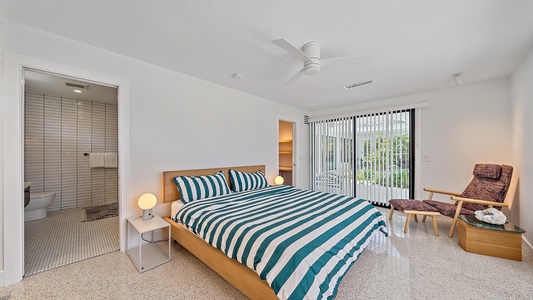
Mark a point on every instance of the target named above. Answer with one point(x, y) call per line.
point(77, 91)
point(358, 84)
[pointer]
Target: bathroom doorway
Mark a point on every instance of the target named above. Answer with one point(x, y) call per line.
point(71, 169)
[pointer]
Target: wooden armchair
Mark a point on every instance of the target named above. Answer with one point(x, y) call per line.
point(487, 189)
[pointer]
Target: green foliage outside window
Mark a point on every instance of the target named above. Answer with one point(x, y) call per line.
point(365, 174)
point(382, 152)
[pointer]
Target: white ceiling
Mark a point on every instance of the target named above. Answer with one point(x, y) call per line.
point(419, 43)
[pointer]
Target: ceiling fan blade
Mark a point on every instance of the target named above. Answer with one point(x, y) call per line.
point(285, 45)
point(349, 60)
point(294, 78)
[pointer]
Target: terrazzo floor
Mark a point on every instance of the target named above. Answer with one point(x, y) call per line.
point(64, 237)
point(417, 265)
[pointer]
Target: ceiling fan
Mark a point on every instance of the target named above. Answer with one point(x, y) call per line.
point(310, 55)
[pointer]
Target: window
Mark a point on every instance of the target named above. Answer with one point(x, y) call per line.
point(367, 156)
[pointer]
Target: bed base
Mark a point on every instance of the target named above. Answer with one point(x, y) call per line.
point(237, 274)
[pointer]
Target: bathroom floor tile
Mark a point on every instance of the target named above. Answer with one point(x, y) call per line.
point(63, 238)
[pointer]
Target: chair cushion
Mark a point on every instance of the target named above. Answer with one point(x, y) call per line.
point(487, 188)
point(448, 209)
point(410, 204)
point(487, 171)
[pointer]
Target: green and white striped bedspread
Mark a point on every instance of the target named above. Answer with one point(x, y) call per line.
point(301, 242)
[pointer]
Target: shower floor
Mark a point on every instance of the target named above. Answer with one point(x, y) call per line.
point(63, 238)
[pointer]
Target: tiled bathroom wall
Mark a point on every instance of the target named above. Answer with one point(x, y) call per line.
point(58, 131)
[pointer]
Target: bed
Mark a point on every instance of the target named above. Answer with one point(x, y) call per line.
point(308, 248)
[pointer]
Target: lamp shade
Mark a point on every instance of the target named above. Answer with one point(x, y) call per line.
point(147, 201)
point(278, 180)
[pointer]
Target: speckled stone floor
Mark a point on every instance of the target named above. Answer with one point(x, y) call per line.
point(417, 265)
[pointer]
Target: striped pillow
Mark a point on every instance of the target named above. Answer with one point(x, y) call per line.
point(241, 181)
point(199, 187)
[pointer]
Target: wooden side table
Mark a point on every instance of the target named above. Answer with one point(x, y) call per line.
point(148, 255)
point(503, 241)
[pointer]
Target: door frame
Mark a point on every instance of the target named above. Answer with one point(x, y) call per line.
point(12, 152)
point(295, 149)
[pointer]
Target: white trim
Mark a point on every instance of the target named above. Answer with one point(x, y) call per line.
point(371, 111)
point(12, 147)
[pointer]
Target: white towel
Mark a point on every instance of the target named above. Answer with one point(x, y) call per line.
point(96, 160)
point(111, 160)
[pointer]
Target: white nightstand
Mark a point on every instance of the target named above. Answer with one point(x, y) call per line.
point(147, 256)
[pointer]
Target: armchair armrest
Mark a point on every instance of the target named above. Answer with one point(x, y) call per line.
point(441, 192)
point(484, 202)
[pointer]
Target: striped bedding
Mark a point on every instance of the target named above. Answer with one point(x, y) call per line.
point(301, 242)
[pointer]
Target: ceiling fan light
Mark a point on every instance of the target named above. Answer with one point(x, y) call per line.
point(312, 70)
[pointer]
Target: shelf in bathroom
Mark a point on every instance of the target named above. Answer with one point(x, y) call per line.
point(27, 184)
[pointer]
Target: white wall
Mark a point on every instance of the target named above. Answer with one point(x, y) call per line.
point(522, 116)
point(175, 121)
point(463, 125)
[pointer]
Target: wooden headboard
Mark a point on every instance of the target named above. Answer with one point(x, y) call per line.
point(170, 192)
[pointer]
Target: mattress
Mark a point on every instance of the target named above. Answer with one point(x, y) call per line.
point(301, 242)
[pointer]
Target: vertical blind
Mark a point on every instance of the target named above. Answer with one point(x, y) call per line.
point(332, 157)
point(367, 156)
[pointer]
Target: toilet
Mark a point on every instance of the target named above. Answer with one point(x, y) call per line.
point(39, 202)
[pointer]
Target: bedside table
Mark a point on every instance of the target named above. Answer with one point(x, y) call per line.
point(147, 256)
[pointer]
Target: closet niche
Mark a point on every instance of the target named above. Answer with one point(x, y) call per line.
point(285, 151)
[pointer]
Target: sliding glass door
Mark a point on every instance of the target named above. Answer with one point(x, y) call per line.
point(384, 168)
point(367, 156)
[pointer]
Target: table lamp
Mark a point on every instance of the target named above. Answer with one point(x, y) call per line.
point(146, 203)
point(278, 180)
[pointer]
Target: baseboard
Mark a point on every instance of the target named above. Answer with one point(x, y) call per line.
point(530, 250)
